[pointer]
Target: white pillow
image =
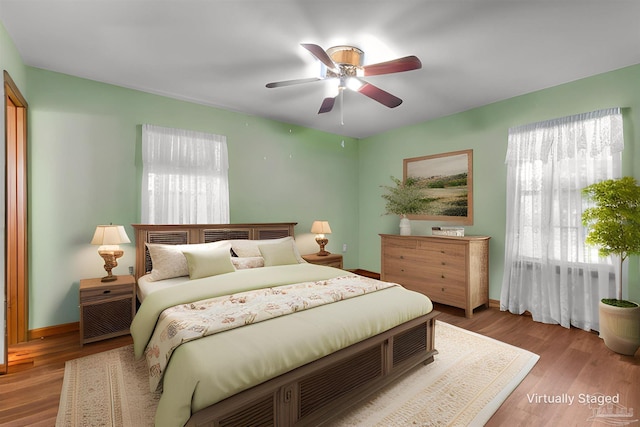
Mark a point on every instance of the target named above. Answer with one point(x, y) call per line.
point(168, 261)
point(278, 254)
point(251, 248)
point(205, 262)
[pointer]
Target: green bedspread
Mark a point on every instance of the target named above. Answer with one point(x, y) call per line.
point(210, 369)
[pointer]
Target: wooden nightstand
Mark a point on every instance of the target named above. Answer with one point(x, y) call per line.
point(331, 260)
point(106, 308)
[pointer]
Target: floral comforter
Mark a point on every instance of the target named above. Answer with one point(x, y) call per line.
point(187, 322)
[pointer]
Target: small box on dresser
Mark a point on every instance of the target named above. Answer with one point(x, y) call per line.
point(449, 270)
point(106, 308)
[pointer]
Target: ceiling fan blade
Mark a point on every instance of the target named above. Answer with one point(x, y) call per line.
point(327, 105)
point(407, 63)
point(293, 82)
point(377, 94)
point(322, 56)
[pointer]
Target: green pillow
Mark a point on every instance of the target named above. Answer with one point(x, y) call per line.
point(278, 253)
point(208, 262)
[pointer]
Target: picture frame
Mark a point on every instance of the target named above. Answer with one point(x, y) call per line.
point(447, 178)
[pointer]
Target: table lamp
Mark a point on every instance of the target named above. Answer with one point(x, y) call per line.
point(320, 228)
point(109, 237)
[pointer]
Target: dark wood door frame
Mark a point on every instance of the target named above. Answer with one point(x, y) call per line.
point(16, 267)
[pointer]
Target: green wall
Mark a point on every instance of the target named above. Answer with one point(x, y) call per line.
point(85, 169)
point(485, 131)
point(11, 62)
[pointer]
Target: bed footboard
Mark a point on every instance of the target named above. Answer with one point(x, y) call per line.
point(316, 392)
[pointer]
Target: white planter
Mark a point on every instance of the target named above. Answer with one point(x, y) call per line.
point(405, 226)
point(620, 328)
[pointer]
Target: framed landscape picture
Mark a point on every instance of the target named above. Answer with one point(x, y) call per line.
point(447, 180)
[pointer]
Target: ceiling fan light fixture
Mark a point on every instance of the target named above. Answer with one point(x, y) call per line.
point(344, 63)
point(348, 60)
point(346, 55)
point(354, 84)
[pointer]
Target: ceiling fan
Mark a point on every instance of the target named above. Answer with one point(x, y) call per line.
point(344, 63)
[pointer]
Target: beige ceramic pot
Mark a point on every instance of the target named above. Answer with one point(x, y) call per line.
point(620, 328)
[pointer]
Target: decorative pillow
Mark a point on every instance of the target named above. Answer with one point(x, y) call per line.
point(250, 248)
point(278, 253)
point(168, 261)
point(247, 262)
point(245, 248)
point(205, 262)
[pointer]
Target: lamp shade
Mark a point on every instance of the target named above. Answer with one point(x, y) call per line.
point(110, 235)
point(320, 227)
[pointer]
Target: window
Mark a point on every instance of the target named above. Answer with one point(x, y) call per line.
point(184, 177)
point(549, 270)
point(551, 203)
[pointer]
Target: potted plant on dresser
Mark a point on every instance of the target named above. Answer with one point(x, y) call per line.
point(613, 225)
point(405, 198)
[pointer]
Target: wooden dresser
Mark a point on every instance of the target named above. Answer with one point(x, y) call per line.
point(449, 270)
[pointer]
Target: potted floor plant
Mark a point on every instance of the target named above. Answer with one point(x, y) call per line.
point(613, 224)
point(405, 198)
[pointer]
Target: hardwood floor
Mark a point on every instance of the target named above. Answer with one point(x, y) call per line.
point(30, 391)
point(573, 363)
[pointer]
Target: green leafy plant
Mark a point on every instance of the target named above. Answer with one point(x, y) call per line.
point(613, 223)
point(405, 198)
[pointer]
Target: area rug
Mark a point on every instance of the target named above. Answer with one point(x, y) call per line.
point(468, 381)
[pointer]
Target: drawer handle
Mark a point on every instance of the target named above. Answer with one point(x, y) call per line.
point(401, 256)
point(442, 289)
point(106, 292)
point(442, 276)
point(444, 263)
point(402, 269)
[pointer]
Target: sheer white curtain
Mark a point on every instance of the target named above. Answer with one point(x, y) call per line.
point(549, 271)
point(184, 177)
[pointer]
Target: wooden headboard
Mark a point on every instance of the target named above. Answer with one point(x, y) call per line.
point(180, 234)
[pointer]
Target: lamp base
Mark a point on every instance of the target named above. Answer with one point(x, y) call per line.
point(110, 257)
point(322, 243)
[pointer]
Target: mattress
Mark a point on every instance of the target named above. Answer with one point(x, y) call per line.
point(147, 286)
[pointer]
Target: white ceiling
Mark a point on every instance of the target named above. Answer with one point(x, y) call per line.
point(221, 53)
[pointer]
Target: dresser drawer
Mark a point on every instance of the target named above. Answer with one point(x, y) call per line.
point(446, 294)
point(450, 274)
point(103, 294)
point(401, 243)
point(449, 250)
point(403, 273)
point(398, 254)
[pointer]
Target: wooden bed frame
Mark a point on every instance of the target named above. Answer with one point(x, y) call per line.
point(318, 391)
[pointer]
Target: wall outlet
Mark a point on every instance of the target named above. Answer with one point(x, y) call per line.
point(131, 270)
point(344, 247)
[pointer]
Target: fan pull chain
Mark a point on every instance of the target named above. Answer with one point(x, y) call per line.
point(342, 107)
